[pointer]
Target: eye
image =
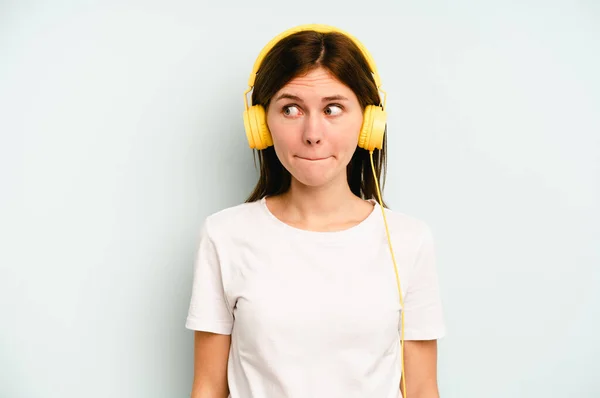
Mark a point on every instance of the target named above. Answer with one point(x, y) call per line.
point(333, 110)
point(290, 110)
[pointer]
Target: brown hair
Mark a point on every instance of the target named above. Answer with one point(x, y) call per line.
point(296, 55)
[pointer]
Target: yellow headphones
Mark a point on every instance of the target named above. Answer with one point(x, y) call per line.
point(371, 133)
point(374, 117)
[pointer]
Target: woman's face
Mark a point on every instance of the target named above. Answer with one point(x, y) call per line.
point(315, 122)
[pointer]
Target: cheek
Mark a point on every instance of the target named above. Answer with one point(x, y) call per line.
point(284, 135)
point(349, 140)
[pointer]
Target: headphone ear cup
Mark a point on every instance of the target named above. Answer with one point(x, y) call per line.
point(373, 128)
point(257, 131)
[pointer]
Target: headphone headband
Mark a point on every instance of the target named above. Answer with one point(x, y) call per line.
point(321, 29)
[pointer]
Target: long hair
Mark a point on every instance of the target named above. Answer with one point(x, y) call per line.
point(295, 55)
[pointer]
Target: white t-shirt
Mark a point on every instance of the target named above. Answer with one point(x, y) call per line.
point(314, 314)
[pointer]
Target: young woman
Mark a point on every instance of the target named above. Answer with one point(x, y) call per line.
point(296, 293)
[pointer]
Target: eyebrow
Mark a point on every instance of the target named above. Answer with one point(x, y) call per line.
point(324, 99)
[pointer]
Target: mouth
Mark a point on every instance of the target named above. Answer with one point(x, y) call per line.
point(313, 159)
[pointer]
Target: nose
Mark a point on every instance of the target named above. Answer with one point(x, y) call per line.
point(313, 130)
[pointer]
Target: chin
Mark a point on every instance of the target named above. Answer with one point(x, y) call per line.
point(313, 180)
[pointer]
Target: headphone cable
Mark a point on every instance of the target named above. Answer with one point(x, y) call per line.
point(403, 374)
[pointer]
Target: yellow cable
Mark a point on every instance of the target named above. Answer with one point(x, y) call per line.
point(403, 375)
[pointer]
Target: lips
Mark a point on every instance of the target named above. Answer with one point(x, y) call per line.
point(313, 158)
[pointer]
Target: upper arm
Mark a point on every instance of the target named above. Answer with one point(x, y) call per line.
point(420, 369)
point(424, 322)
point(211, 353)
point(210, 317)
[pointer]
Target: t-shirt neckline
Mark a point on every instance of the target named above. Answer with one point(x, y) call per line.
point(329, 237)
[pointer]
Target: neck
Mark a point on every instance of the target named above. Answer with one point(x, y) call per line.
point(317, 205)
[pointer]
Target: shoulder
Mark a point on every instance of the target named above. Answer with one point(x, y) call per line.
point(238, 219)
point(408, 228)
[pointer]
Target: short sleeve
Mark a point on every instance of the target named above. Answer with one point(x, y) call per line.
point(209, 310)
point(423, 317)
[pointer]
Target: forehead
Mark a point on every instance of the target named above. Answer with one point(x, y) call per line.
point(318, 79)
